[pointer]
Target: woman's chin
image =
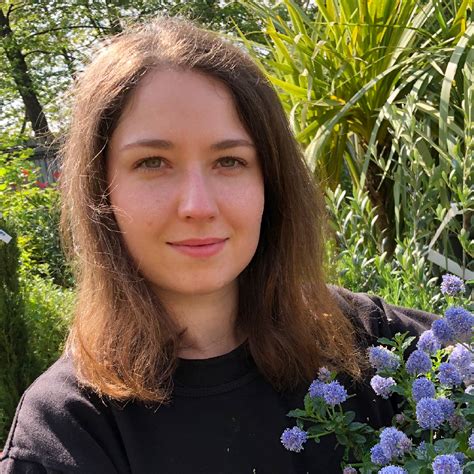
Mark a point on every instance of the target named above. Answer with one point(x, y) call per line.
point(195, 289)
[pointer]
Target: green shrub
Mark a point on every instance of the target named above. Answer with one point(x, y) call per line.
point(32, 207)
point(356, 259)
point(47, 310)
point(35, 282)
point(33, 325)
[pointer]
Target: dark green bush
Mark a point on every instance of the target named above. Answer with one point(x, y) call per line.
point(14, 354)
point(33, 325)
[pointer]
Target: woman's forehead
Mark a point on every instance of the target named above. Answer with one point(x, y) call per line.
point(174, 105)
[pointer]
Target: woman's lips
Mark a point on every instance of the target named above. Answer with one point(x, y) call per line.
point(199, 247)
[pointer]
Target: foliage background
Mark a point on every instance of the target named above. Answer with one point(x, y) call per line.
point(379, 94)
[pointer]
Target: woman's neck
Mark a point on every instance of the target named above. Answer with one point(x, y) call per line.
point(209, 321)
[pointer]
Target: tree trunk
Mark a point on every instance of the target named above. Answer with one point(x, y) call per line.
point(381, 197)
point(19, 71)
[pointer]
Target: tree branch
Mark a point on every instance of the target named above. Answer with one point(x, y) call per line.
point(9, 11)
point(72, 27)
point(34, 51)
point(21, 75)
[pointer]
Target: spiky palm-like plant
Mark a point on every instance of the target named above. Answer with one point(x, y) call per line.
point(337, 65)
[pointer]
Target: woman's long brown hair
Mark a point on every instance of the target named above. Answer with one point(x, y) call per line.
point(123, 341)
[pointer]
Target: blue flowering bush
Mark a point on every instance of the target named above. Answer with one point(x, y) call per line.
point(434, 390)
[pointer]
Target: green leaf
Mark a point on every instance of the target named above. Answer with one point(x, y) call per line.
point(386, 342)
point(342, 439)
point(398, 389)
point(464, 397)
point(448, 80)
point(297, 91)
point(358, 438)
point(296, 413)
point(408, 342)
point(469, 467)
point(317, 429)
point(349, 417)
point(355, 426)
point(308, 404)
point(415, 466)
point(447, 445)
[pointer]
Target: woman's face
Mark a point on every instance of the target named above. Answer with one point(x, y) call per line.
point(185, 183)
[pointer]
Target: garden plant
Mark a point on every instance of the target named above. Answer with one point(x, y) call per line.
point(380, 96)
point(433, 430)
point(35, 284)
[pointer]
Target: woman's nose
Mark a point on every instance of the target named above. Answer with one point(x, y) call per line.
point(197, 197)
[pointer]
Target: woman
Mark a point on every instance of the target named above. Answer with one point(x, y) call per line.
point(202, 312)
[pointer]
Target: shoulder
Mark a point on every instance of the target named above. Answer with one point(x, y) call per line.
point(60, 425)
point(375, 318)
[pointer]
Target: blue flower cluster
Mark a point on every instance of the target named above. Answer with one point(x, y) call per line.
point(449, 375)
point(349, 470)
point(452, 285)
point(294, 438)
point(428, 342)
point(418, 363)
point(382, 359)
point(461, 457)
point(377, 456)
point(442, 331)
point(457, 324)
point(460, 320)
point(382, 386)
point(392, 444)
point(333, 393)
point(392, 470)
point(461, 358)
point(316, 389)
point(434, 376)
point(447, 407)
point(429, 413)
point(422, 388)
point(446, 464)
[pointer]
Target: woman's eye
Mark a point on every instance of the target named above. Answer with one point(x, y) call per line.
point(231, 162)
point(151, 163)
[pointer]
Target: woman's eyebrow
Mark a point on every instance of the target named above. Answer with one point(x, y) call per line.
point(231, 143)
point(149, 142)
point(166, 144)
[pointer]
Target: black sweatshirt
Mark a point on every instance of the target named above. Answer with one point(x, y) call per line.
point(224, 416)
